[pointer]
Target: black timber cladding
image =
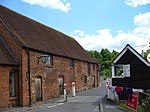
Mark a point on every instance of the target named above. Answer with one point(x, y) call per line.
point(139, 72)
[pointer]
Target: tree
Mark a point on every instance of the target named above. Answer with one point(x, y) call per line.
point(105, 58)
point(146, 53)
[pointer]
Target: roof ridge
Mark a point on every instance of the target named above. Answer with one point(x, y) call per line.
point(13, 32)
point(128, 47)
point(37, 22)
point(35, 35)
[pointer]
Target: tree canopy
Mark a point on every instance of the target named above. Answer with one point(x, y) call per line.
point(105, 58)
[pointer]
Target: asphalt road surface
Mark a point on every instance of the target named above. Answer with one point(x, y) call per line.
point(93, 100)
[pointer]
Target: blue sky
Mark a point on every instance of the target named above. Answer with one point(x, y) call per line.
point(95, 24)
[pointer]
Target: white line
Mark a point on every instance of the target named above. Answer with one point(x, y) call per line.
point(101, 106)
point(55, 105)
point(110, 107)
point(45, 107)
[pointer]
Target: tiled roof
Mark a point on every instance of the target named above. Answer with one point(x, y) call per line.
point(37, 36)
point(5, 57)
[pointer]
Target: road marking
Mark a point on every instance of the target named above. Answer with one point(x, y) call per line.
point(101, 106)
point(55, 105)
point(84, 99)
point(44, 107)
point(110, 107)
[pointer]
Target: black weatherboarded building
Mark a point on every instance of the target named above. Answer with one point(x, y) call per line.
point(130, 69)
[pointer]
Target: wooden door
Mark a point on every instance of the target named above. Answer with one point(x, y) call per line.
point(93, 81)
point(38, 89)
point(60, 83)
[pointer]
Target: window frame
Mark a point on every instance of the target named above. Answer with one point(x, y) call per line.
point(124, 69)
point(47, 59)
point(12, 85)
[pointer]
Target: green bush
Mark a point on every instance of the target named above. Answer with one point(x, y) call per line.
point(146, 102)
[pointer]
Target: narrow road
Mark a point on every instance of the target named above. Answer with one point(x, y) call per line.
point(93, 100)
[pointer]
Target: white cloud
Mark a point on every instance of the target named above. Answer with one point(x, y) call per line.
point(52, 4)
point(135, 3)
point(78, 32)
point(104, 38)
point(142, 20)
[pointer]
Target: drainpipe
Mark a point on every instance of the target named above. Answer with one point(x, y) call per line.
point(29, 85)
point(98, 75)
point(18, 76)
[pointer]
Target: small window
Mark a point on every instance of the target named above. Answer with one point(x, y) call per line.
point(85, 79)
point(47, 59)
point(122, 70)
point(11, 84)
point(72, 63)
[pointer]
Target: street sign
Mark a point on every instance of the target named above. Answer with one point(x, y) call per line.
point(133, 103)
point(148, 57)
point(148, 44)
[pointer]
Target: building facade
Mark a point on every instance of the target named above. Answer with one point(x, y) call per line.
point(36, 60)
point(130, 69)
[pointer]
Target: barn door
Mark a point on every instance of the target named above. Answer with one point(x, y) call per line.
point(60, 83)
point(38, 88)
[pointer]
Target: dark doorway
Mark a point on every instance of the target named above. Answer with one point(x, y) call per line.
point(38, 88)
point(93, 81)
point(60, 83)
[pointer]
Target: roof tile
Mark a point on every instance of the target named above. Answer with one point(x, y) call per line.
point(5, 56)
point(37, 36)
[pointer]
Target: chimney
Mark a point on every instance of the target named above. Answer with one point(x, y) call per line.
point(142, 53)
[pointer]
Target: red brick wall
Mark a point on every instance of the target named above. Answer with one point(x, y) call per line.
point(9, 39)
point(23, 79)
point(17, 51)
point(50, 75)
point(4, 86)
point(6, 100)
point(81, 70)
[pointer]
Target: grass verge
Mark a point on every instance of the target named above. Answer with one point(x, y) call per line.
point(122, 105)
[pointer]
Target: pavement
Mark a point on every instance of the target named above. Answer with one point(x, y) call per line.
point(53, 103)
point(38, 106)
point(93, 100)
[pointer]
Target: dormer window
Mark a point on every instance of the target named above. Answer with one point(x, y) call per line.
point(47, 59)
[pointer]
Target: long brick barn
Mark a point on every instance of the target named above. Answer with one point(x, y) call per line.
point(36, 60)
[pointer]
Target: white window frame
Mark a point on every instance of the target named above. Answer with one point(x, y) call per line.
point(47, 59)
point(125, 71)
